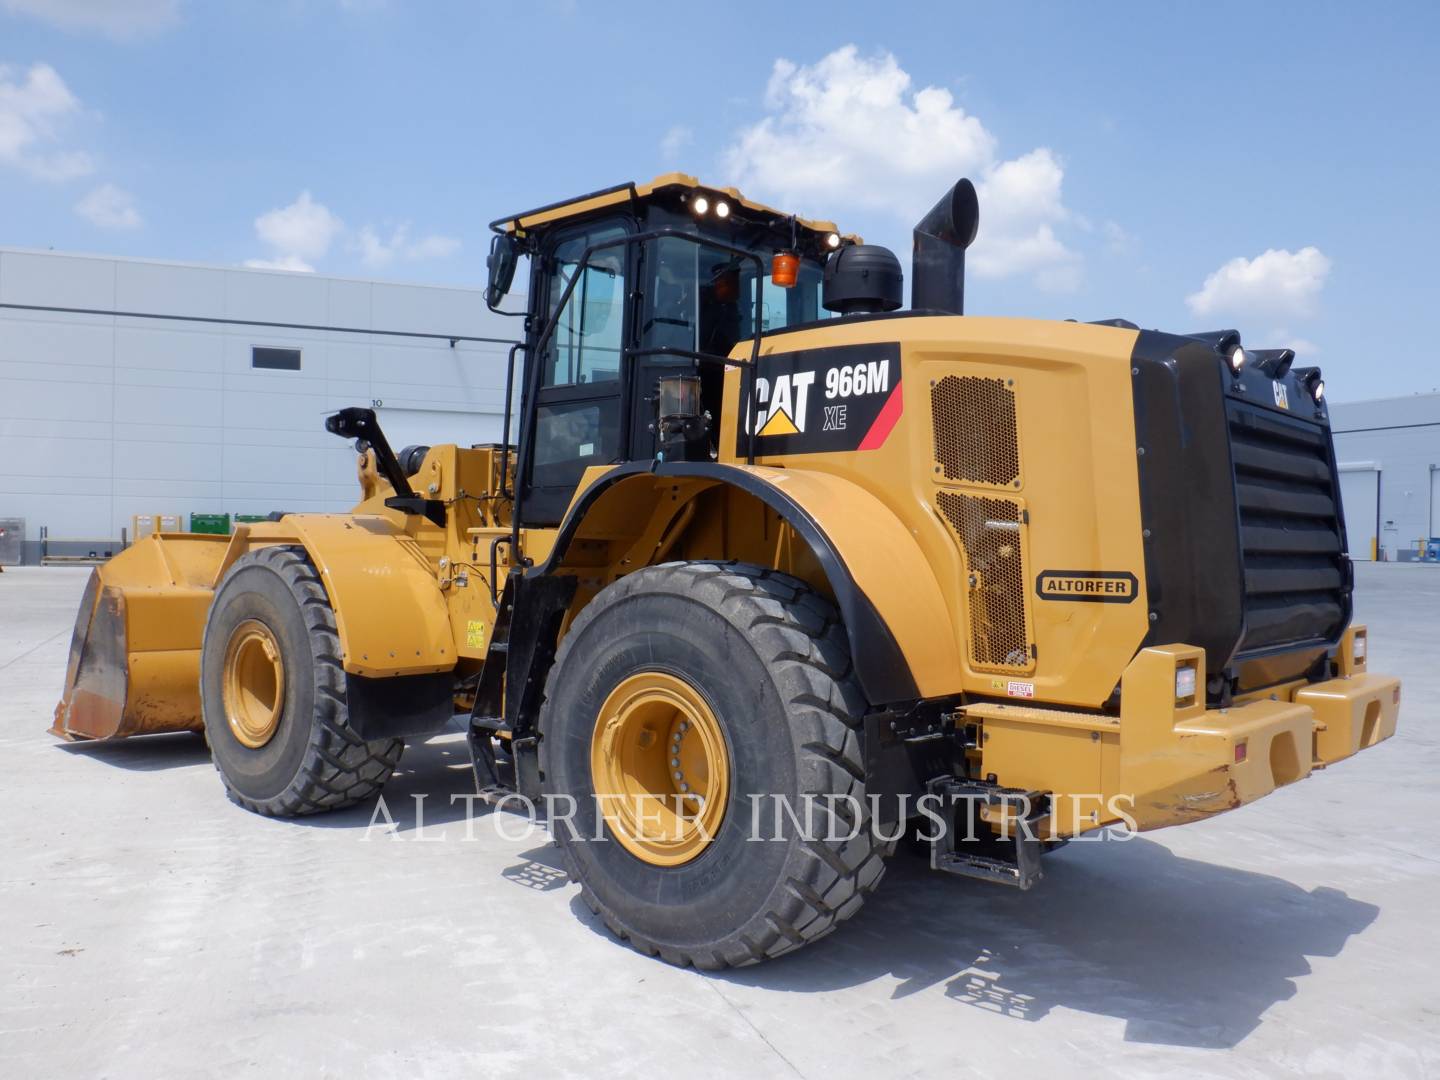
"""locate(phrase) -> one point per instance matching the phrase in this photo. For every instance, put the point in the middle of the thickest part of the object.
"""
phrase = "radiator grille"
(976, 439)
(1288, 499)
(991, 533)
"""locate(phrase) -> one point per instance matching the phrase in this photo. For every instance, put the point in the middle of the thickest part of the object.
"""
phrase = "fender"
(891, 622)
(395, 638)
(389, 610)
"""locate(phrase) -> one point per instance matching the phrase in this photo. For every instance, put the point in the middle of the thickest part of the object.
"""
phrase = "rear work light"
(1184, 682)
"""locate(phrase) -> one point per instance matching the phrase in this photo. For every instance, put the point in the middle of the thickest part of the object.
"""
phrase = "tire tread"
(799, 637)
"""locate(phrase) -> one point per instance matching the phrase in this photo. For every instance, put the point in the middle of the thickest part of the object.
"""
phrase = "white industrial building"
(135, 387)
(1388, 451)
(130, 387)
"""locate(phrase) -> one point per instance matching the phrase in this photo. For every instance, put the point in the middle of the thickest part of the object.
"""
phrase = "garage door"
(1434, 501)
(1360, 496)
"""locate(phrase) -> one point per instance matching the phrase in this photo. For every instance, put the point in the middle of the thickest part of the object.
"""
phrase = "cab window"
(781, 307)
(586, 346)
(704, 299)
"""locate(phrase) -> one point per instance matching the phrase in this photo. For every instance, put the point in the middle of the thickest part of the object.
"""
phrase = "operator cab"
(602, 331)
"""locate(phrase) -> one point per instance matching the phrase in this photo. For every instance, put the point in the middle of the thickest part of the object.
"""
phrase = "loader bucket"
(134, 666)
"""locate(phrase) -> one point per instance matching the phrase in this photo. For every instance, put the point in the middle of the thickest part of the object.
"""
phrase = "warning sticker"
(474, 634)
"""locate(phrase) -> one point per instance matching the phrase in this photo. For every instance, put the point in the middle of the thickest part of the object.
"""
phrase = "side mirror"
(501, 262)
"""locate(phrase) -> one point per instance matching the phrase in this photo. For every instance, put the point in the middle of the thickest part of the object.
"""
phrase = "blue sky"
(1265, 166)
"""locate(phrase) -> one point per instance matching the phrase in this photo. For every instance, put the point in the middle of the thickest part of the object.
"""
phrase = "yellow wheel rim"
(661, 768)
(254, 684)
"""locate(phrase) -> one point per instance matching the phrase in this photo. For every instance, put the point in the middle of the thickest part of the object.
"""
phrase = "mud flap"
(402, 706)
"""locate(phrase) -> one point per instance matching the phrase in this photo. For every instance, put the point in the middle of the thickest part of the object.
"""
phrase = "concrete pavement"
(150, 928)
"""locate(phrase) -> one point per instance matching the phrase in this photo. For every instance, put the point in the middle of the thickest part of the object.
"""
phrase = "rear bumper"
(1246, 752)
(1163, 762)
(1352, 713)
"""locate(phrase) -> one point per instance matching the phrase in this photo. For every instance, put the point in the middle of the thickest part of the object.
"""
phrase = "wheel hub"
(661, 768)
(254, 684)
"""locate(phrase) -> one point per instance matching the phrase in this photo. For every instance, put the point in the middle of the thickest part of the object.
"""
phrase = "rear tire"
(300, 756)
(770, 659)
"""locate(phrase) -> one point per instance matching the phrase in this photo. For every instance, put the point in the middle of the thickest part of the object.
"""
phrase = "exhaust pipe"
(941, 237)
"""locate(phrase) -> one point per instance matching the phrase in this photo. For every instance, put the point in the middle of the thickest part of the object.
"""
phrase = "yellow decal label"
(474, 634)
(1089, 586)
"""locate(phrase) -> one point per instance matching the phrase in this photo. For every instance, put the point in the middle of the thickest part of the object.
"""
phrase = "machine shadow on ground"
(1187, 953)
(147, 753)
(435, 768)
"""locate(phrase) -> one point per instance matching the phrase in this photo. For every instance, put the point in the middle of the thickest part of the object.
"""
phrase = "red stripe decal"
(888, 418)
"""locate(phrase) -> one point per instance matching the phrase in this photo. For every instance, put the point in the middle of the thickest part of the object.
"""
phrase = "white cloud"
(34, 106)
(1118, 241)
(109, 207)
(298, 234)
(376, 251)
(115, 18)
(284, 262)
(1276, 284)
(851, 133)
(301, 234)
(433, 247)
(674, 141)
(1281, 338)
(1020, 205)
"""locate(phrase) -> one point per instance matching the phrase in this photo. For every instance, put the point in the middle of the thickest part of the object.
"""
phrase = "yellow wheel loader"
(774, 573)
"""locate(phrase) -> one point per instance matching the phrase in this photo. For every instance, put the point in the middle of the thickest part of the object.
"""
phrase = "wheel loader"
(758, 538)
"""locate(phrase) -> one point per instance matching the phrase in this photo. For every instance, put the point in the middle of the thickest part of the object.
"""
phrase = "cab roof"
(623, 193)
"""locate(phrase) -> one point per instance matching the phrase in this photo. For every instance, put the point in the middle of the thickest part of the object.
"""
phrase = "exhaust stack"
(941, 238)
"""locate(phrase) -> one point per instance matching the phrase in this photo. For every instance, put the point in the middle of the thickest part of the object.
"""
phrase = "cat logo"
(782, 403)
(1282, 396)
(828, 400)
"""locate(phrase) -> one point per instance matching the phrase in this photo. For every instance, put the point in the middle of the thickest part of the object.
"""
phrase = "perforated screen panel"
(976, 438)
(991, 531)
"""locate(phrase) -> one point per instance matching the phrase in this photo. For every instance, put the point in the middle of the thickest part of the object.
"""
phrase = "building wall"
(1399, 439)
(103, 416)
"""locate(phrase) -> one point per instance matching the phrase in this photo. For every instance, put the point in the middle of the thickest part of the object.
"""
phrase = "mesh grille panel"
(990, 532)
(975, 432)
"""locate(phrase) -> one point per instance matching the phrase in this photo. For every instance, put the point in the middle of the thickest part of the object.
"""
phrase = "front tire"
(759, 661)
(273, 693)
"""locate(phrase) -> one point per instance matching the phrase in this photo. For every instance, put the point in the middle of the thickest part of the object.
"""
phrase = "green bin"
(218, 524)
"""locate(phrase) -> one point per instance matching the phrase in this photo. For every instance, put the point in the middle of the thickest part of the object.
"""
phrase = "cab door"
(578, 401)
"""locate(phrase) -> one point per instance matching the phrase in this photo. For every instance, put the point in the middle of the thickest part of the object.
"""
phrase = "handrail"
(505, 492)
